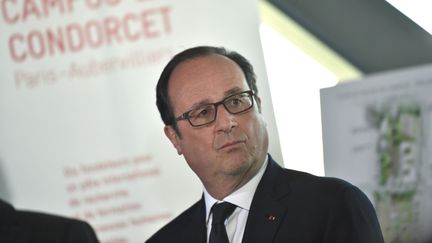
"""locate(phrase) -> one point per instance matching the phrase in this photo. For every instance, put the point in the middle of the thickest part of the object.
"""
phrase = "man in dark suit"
(208, 100)
(32, 227)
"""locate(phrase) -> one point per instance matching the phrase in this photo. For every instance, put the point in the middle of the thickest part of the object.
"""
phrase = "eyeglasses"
(206, 114)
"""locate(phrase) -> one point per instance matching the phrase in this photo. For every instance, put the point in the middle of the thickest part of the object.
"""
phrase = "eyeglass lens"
(233, 104)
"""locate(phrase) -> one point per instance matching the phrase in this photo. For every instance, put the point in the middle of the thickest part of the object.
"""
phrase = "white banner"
(80, 132)
(377, 134)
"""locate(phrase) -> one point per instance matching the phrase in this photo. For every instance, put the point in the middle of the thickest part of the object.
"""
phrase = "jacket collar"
(268, 208)
(266, 212)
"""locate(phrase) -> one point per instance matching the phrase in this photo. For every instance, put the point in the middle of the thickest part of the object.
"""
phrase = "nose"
(225, 121)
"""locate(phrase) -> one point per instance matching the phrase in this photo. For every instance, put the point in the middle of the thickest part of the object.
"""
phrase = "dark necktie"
(220, 212)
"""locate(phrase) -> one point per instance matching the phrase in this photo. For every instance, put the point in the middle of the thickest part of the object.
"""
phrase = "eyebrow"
(207, 102)
(232, 91)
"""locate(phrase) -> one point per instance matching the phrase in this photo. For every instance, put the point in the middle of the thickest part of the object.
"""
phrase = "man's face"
(232, 145)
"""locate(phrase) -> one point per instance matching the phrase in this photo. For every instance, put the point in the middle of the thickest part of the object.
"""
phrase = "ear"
(173, 137)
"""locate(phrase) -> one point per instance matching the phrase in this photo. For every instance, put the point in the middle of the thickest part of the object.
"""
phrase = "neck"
(223, 185)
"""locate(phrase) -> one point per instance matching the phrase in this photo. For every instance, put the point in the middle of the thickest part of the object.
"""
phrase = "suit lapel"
(268, 208)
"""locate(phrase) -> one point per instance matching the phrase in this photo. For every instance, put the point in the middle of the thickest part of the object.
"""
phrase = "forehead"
(204, 79)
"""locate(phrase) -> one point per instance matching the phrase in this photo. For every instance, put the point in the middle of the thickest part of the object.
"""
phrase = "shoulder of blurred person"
(18, 226)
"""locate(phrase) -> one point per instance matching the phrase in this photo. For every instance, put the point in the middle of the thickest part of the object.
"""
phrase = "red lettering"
(74, 203)
(29, 80)
(112, 29)
(95, 40)
(139, 220)
(32, 80)
(165, 17)
(34, 41)
(88, 215)
(75, 44)
(89, 184)
(74, 37)
(70, 172)
(70, 5)
(30, 9)
(147, 24)
(126, 25)
(8, 18)
(92, 4)
(12, 48)
(71, 188)
(111, 226)
(47, 4)
(55, 41)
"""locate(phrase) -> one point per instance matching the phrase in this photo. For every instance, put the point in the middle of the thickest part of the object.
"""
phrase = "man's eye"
(203, 112)
(235, 102)
(206, 111)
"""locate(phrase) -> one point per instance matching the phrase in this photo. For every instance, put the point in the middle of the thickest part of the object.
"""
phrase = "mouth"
(231, 145)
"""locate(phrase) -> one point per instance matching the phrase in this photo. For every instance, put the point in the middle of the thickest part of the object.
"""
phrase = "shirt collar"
(241, 197)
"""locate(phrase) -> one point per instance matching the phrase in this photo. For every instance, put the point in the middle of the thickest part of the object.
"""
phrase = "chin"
(238, 165)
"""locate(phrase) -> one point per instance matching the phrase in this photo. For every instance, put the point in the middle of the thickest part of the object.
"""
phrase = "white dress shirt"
(242, 198)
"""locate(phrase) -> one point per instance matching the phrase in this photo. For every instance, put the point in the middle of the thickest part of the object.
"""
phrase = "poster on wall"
(377, 134)
(80, 132)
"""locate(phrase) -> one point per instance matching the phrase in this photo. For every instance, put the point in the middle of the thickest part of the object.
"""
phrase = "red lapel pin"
(271, 218)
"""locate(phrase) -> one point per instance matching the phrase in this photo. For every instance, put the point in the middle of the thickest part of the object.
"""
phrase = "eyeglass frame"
(186, 116)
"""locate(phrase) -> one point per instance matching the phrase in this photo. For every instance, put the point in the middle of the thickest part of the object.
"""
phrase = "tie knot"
(221, 211)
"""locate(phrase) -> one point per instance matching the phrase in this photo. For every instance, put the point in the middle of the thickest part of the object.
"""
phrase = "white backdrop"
(80, 132)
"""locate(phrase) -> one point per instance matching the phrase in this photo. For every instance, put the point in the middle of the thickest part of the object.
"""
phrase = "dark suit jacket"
(31, 227)
(306, 208)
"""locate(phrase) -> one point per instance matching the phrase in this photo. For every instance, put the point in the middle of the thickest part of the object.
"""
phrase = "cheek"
(256, 132)
(197, 141)
(198, 153)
